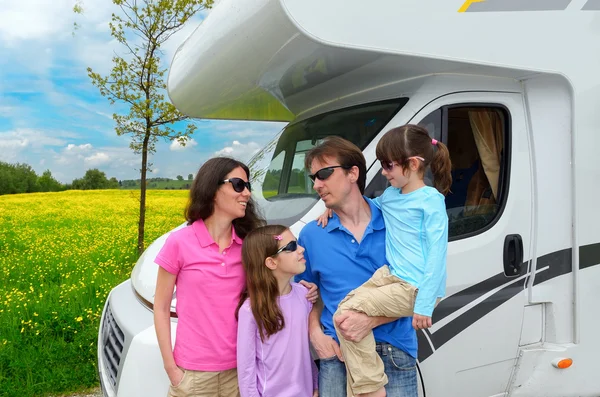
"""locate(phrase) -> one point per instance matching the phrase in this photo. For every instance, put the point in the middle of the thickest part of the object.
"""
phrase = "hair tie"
(278, 237)
(434, 142)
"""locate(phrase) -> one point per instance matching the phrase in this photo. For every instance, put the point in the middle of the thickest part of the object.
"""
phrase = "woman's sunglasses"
(326, 172)
(238, 184)
(289, 247)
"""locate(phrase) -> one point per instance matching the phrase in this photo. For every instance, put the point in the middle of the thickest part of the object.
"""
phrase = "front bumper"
(129, 360)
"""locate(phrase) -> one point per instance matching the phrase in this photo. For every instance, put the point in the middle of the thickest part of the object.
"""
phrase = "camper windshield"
(281, 185)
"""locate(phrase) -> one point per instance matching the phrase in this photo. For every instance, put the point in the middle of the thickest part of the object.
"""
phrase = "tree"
(137, 79)
(179, 178)
(48, 183)
(95, 179)
(18, 178)
(190, 177)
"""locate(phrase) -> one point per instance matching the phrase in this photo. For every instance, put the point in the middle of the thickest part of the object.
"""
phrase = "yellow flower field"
(60, 255)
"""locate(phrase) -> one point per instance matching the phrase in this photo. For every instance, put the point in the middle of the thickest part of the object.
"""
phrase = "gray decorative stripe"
(559, 263)
(592, 5)
(520, 5)
(589, 255)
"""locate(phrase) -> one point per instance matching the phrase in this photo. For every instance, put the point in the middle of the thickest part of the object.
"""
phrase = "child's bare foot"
(378, 393)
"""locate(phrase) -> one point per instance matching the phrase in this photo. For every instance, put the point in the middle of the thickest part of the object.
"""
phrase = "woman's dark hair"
(204, 189)
(261, 284)
(400, 143)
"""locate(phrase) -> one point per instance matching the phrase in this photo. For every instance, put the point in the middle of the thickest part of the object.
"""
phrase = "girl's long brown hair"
(400, 143)
(261, 285)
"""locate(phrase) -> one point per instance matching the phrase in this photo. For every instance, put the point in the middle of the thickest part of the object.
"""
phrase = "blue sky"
(52, 117)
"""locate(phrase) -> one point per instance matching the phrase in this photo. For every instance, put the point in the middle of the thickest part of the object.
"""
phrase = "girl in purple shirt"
(273, 354)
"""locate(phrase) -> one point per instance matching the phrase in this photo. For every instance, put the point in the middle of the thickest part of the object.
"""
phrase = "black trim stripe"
(423, 347)
(465, 320)
(468, 295)
(589, 255)
(559, 263)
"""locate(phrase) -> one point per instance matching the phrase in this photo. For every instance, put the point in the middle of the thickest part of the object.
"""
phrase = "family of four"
(358, 282)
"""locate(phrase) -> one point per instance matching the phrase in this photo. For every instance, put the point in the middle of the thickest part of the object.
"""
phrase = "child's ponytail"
(401, 143)
(441, 168)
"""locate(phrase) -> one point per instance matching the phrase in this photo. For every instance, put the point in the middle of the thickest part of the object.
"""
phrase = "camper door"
(472, 347)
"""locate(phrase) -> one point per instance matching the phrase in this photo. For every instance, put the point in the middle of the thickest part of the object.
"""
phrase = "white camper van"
(511, 87)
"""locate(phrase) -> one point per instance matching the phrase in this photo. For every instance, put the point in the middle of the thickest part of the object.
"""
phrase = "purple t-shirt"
(282, 366)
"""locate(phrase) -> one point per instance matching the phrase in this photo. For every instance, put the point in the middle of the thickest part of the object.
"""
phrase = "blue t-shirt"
(337, 264)
(416, 241)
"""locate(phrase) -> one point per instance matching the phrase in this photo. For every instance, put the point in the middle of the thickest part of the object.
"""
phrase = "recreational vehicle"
(511, 87)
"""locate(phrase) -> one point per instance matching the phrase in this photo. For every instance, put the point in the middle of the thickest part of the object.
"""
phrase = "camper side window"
(476, 137)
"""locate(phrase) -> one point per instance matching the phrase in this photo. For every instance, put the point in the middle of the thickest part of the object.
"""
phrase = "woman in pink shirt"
(273, 348)
(204, 261)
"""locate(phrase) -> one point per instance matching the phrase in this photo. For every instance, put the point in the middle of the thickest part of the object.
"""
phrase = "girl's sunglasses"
(389, 165)
(238, 184)
(326, 172)
(289, 247)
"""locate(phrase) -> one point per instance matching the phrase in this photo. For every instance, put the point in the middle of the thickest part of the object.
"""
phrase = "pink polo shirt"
(209, 284)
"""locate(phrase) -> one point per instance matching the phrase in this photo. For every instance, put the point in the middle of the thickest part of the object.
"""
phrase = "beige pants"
(382, 295)
(206, 384)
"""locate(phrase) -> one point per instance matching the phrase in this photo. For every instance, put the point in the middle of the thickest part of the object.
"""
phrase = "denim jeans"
(399, 367)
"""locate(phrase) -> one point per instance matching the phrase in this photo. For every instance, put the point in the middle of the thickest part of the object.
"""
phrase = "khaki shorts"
(382, 295)
(206, 384)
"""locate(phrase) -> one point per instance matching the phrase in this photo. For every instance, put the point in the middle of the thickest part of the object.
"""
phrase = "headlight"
(143, 276)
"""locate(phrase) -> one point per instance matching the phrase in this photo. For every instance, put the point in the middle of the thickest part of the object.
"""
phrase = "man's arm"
(354, 326)
(324, 345)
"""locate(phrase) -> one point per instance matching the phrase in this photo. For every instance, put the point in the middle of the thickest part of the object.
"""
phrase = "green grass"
(60, 255)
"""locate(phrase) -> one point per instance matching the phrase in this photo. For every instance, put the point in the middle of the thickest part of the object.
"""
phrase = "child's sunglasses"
(326, 172)
(238, 184)
(289, 247)
(389, 165)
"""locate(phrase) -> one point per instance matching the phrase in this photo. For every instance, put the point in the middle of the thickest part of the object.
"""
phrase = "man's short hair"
(345, 152)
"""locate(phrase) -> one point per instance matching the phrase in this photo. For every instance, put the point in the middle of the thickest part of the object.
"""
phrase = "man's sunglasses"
(289, 247)
(238, 184)
(326, 172)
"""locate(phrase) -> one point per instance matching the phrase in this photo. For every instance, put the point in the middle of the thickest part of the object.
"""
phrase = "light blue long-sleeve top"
(416, 241)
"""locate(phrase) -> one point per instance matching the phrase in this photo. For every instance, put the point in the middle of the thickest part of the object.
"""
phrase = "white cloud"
(73, 161)
(240, 151)
(86, 147)
(15, 143)
(6, 111)
(12, 143)
(33, 19)
(96, 159)
(177, 147)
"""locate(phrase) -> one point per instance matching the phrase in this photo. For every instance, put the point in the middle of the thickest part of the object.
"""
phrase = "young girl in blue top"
(416, 242)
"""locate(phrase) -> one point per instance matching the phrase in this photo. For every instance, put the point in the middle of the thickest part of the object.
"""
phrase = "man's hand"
(324, 345)
(354, 326)
(421, 322)
(315, 393)
(313, 291)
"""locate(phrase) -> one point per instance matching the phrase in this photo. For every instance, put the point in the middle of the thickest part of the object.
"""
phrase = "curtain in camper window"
(487, 128)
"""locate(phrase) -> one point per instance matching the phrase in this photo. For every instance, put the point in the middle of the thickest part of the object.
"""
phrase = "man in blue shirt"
(340, 258)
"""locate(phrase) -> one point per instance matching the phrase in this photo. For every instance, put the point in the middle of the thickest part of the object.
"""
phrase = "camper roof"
(277, 59)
